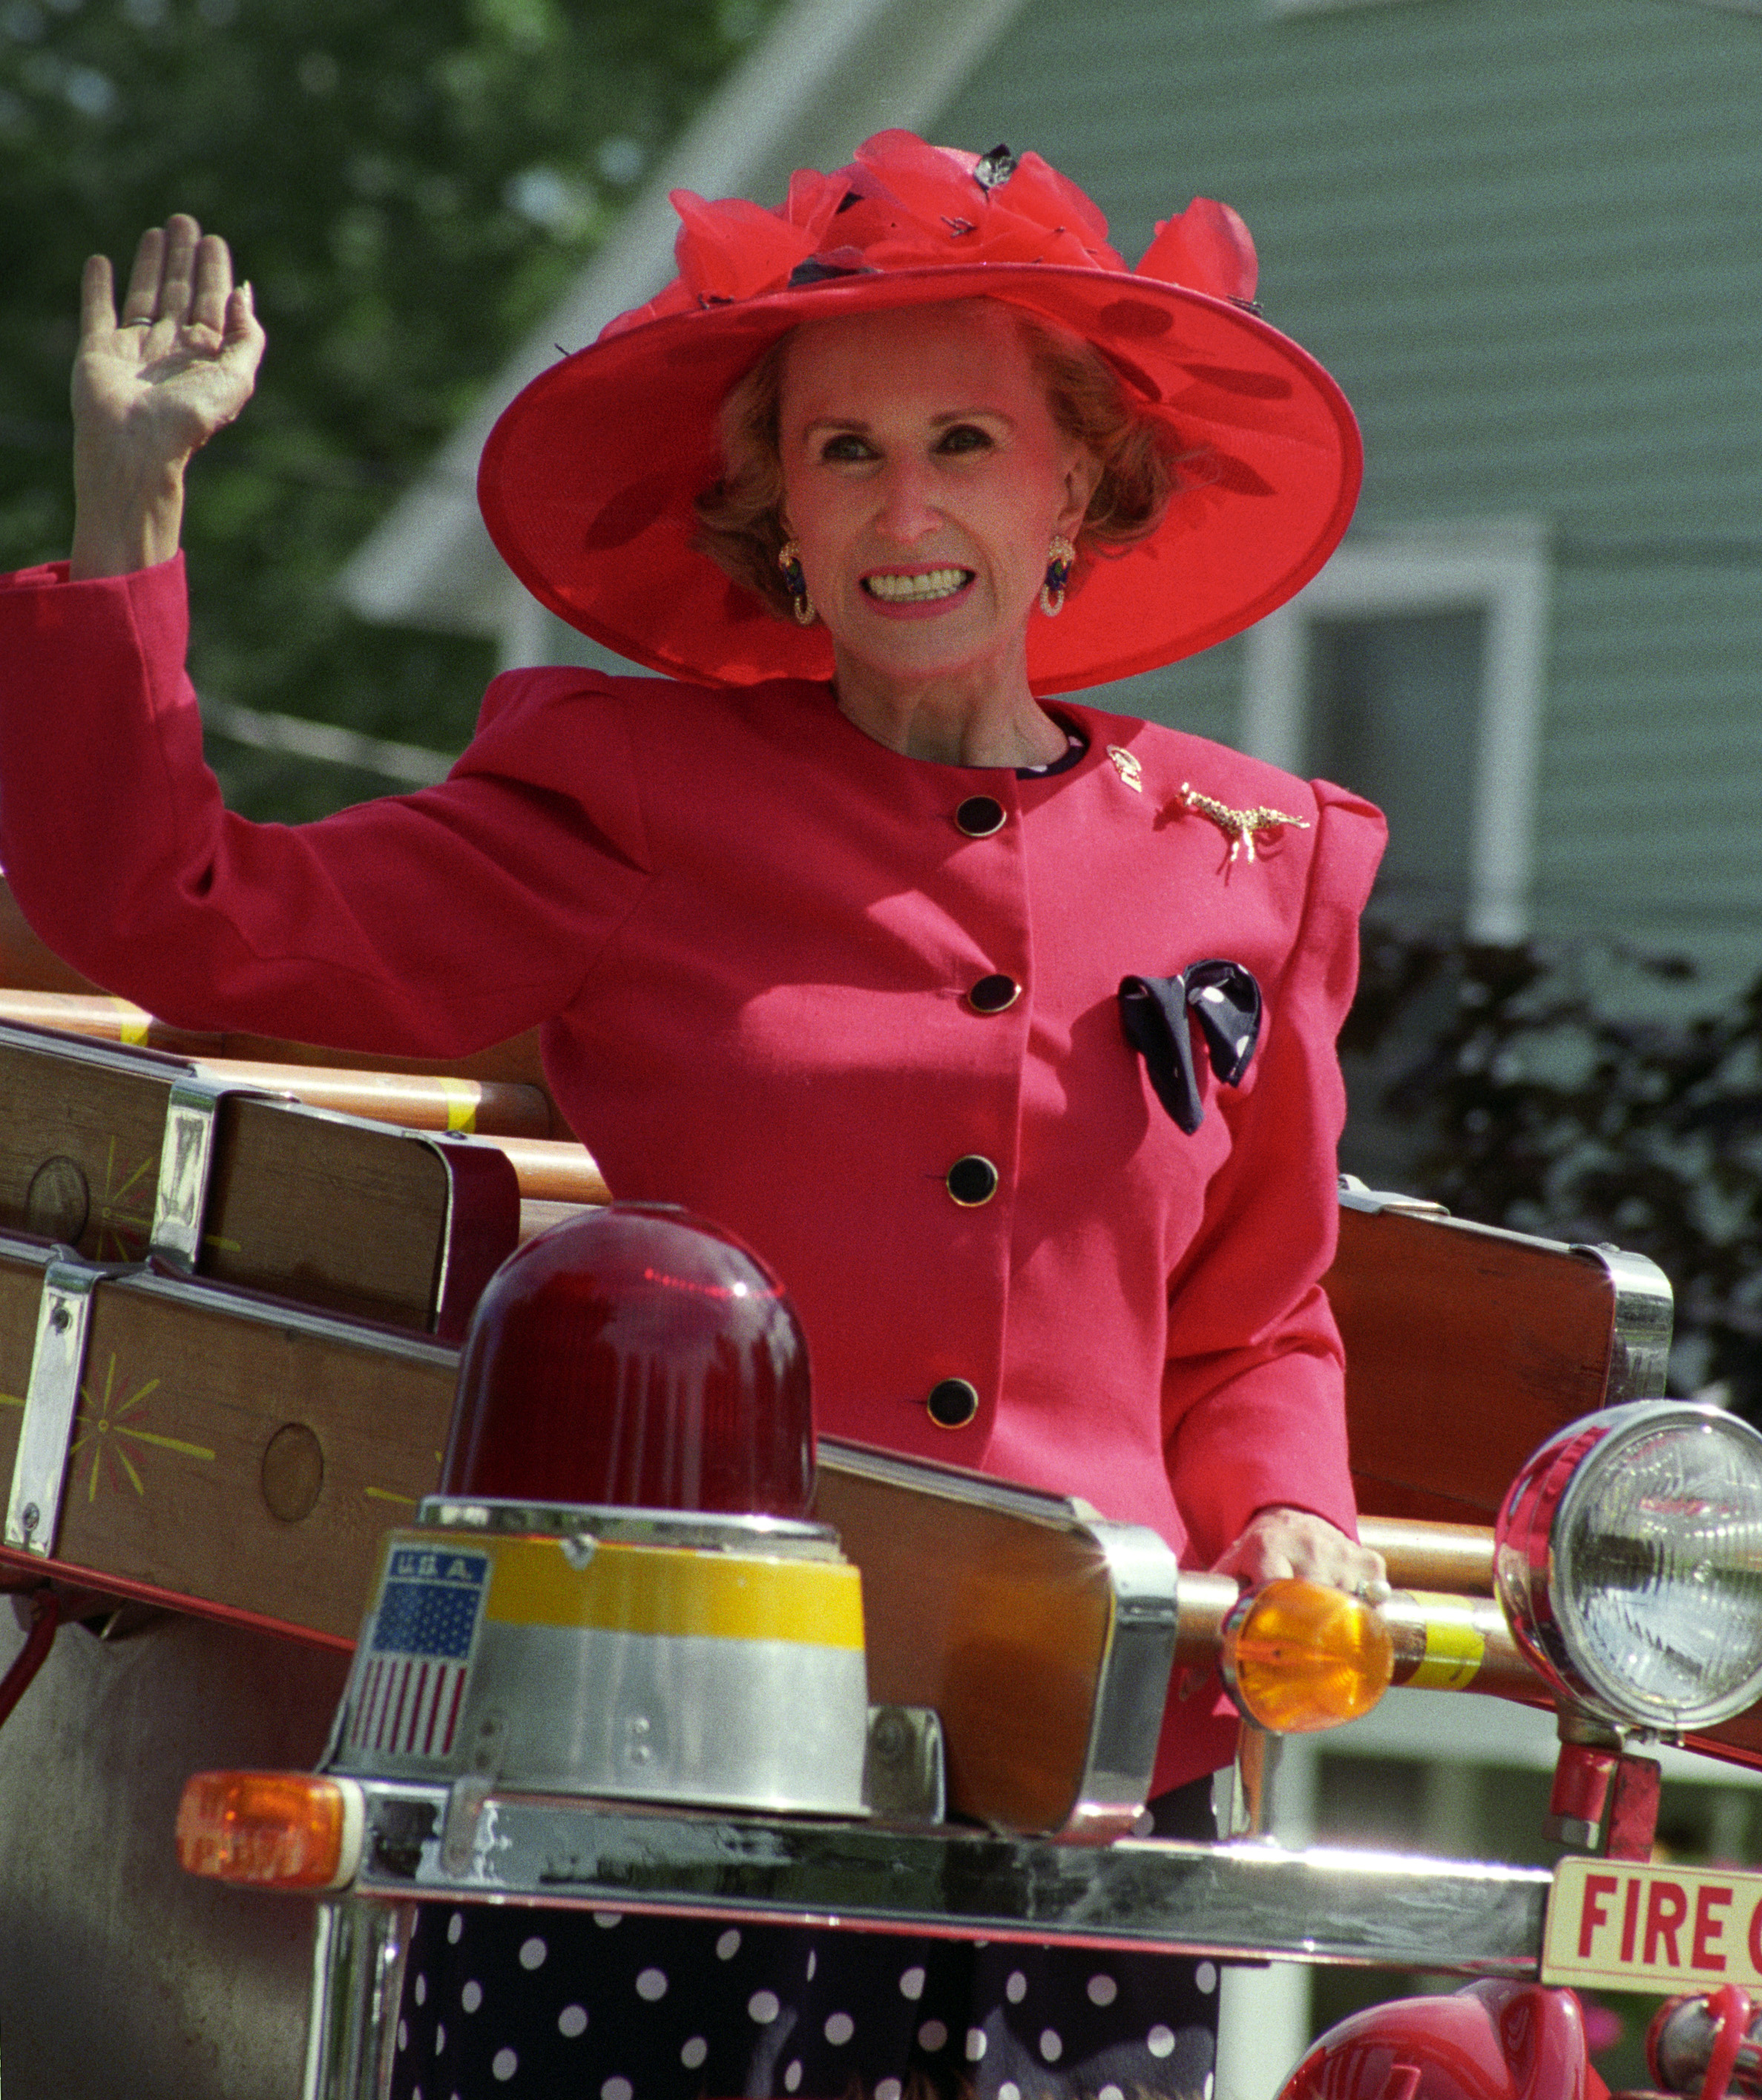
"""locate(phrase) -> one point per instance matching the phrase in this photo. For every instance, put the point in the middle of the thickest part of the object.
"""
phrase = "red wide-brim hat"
(587, 481)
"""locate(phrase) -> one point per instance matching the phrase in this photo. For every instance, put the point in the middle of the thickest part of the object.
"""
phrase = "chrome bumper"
(1243, 1902)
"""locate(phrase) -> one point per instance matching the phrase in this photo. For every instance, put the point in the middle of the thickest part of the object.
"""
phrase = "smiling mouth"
(924, 589)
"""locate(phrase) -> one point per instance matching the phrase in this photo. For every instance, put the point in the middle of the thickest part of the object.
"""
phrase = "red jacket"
(750, 931)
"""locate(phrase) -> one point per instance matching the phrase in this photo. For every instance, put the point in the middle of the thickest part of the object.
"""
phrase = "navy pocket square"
(1156, 1014)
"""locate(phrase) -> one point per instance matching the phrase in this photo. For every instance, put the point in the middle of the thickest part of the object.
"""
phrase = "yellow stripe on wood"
(462, 1098)
(133, 1022)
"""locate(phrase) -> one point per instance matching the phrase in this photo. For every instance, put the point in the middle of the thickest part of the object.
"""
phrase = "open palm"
(156, 383)
(149, 387)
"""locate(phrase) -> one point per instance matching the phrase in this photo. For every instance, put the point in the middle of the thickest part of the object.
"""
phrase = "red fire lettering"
(1630, 1916)
(1596, 1886)
(1708, 1928)
(1756, 1938)
(1666, 1909)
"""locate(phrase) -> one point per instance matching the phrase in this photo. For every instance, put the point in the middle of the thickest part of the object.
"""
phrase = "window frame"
(1501, 568)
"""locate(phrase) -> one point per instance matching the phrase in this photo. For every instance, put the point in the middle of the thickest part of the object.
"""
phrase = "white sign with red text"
(1621, 1925)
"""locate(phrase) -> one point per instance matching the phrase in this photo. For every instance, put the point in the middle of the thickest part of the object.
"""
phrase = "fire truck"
(306, 1642)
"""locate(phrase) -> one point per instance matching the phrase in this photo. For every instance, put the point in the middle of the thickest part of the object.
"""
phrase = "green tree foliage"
(1546, 1091)
(408, 184)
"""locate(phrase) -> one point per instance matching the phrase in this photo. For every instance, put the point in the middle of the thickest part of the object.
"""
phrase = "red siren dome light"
(635, 1356)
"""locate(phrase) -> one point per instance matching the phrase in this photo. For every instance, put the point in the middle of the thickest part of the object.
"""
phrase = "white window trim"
(1501, 568)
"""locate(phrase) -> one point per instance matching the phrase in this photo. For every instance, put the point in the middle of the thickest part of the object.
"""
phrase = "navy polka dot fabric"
(606, 2006)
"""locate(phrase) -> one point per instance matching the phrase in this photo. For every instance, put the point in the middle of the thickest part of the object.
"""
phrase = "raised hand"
(152, 387)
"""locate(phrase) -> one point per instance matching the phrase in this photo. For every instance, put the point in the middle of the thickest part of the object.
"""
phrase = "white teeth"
(914, 590)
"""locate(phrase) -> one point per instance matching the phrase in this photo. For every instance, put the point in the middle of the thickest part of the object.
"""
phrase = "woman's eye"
(964, 437)
(846, 445)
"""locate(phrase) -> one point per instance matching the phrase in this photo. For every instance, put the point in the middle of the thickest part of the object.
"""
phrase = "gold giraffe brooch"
(1239, 826)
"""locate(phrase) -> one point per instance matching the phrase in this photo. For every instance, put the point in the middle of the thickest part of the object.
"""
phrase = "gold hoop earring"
(1060, 560)
(789, 561)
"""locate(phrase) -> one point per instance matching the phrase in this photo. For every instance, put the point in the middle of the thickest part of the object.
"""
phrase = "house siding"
(1526, 236)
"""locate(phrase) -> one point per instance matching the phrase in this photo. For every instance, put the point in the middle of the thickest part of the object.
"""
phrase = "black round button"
(953, 1403)
(979, 815)
(992, 995)
(972, 1181)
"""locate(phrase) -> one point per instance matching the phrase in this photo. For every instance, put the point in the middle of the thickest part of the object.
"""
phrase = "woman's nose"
(907, 512)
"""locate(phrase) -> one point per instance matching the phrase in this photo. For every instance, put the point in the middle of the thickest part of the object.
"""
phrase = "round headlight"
(1629, 1563)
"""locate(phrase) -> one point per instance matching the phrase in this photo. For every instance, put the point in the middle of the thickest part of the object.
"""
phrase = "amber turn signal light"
(270, 1830)
(1298, 1656)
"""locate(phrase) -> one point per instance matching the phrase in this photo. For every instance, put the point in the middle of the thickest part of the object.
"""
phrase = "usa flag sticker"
(410, 1691)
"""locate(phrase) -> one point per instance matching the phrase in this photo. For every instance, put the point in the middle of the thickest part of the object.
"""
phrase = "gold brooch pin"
(1128, 767)
(1238, 826)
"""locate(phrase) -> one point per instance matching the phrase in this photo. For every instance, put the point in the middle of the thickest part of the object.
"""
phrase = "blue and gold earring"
(789, 561)
(1059, 562)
